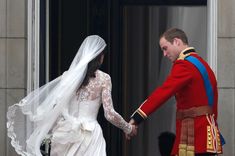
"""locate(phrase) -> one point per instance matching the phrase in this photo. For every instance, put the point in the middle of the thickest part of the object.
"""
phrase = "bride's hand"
(134, 130)
(132, 133)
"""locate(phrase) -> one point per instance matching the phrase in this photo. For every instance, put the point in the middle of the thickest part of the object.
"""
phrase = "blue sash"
(207, 84)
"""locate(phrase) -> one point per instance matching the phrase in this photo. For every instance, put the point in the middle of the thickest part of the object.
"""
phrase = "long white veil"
(43, 106)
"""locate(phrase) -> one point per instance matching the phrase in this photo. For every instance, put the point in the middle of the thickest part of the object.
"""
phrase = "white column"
(212, 34)
(33, 49)
(33, 45)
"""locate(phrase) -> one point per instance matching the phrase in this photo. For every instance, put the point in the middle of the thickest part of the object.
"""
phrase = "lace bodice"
(98, 91)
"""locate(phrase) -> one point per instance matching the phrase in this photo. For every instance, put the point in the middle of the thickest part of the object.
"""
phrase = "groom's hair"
(165, 143)
(172, 33)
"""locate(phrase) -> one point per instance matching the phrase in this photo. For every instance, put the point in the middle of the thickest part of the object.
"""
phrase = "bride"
(67, 108)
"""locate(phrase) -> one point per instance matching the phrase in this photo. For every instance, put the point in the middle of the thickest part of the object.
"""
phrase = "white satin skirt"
(84, 138)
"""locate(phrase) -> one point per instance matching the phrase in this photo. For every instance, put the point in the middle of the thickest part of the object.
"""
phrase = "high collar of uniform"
(185, 53)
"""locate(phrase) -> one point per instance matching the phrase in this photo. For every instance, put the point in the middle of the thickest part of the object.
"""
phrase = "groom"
(194, 86)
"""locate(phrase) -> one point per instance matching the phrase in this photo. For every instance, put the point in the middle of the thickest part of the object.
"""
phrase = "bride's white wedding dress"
(77, 132)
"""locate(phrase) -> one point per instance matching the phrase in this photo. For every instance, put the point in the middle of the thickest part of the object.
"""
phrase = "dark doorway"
(70, 23)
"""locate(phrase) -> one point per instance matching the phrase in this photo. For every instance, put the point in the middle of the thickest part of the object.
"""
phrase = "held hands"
(133, 131)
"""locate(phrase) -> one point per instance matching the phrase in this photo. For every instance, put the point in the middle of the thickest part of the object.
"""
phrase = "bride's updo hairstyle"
(92, 67)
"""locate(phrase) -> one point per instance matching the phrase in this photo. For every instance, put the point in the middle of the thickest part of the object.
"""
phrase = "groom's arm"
(138, 116)
(180, 76)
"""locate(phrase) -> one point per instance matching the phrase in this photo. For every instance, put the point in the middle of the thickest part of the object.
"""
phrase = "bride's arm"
(110, 114)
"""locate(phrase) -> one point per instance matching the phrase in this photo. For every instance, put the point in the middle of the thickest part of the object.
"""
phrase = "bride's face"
(102, 59)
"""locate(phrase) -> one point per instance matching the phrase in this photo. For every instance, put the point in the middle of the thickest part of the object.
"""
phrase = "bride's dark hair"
(92, 67)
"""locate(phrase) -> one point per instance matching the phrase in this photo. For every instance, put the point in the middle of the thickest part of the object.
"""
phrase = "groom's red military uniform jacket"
(186, 83)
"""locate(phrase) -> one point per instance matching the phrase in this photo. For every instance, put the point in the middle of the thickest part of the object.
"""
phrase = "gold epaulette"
(185, 53)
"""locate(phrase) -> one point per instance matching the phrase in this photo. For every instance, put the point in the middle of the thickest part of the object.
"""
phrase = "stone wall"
(12, 62)
(226, 73)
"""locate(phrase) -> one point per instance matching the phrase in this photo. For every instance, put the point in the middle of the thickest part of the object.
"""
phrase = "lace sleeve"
(110, 114)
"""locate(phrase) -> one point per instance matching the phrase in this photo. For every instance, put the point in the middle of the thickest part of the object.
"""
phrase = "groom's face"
(170, 50)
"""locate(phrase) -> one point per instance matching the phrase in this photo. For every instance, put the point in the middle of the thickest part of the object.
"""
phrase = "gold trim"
(190, 148)
(182, 55)
(133, 113)
(190, 153)
(210, 143)
(212, 151)
(187, 49)
(185, 150)
(182, 149)
(142, 113)
(182, 152)
(182, 146)
(219, 146)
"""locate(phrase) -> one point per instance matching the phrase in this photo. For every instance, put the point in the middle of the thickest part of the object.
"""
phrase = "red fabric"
(186, 83)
